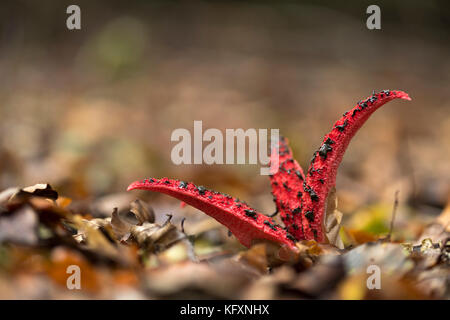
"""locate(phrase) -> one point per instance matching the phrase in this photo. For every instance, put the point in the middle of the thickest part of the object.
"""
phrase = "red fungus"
(321, 175)
(243, 221)
(287, 184)
(300, 200)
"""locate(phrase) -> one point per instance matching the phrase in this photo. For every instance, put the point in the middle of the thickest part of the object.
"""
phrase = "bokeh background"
(89, 111)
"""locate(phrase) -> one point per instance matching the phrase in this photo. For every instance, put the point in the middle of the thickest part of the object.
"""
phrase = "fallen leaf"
(61, 258)
(390, 257)
(392, 288)
(43, 190)
(359, 236)
(256, 256)
(142, 211)
(19, 226)
(333, 220)
(320, 278)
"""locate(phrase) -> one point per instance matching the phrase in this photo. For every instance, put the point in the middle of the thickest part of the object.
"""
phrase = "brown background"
(90, 111)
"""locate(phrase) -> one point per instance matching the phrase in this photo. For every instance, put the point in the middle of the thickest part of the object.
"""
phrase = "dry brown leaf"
(61, 258)
(19, 226)
(268, 287)
(359, 236)
(256, 256)
(150, 236)
(321, 277)
(94, 240)
(390, 257)
(63, 202)
(435, 282)
(142, 211)
(6, 194)
(155, 237)
(392, 288)
(444, 218)
(333, 220)
(187, 280)
(102, 207)
(43, 190)
(120, 227)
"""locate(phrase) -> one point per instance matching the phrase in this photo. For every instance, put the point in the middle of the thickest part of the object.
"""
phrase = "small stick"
(169, 218)
(189, 243)
(394, 211)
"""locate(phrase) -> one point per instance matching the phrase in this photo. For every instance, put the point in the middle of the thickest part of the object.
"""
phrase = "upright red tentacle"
(286, 185)
(321, 175)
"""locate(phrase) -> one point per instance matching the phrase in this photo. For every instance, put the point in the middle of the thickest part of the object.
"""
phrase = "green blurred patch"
(117, 49)
(373, 219)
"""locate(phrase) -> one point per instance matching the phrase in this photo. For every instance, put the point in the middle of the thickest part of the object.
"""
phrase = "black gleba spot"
(309, 215)
(271, 226)
(324, 149)
(201, 190)
(341, 127)
(297, 210)
(182, 184)
(250, 213)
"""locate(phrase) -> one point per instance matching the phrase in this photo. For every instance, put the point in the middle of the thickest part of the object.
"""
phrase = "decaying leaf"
(187, 280)
(427, 253)
(104, 224)
(435, 232)
(43, 190)
(61, 258)
(357, 237)
(272, 286)
(439, 230)
(390, 257)
(320, 278)
(256, 256)
(392, 288)
(156, 237)
(103, 206)
(151, 236)
(120, 227)
(444, 217)
(94, 240)
(435, 282)
(332, 220)
(20, 226)
(5, 195)
(142, 211)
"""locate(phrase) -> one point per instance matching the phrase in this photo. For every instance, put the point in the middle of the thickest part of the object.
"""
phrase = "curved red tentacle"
(321, 175)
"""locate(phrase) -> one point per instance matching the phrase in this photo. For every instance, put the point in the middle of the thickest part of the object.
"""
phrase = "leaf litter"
(129, 255)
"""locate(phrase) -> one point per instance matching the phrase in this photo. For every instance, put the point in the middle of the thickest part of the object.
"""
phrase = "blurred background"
(91, 110)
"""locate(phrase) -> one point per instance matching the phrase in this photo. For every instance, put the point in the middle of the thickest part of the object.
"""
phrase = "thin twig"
(169, 218)
(394, 211)
(189, 243)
